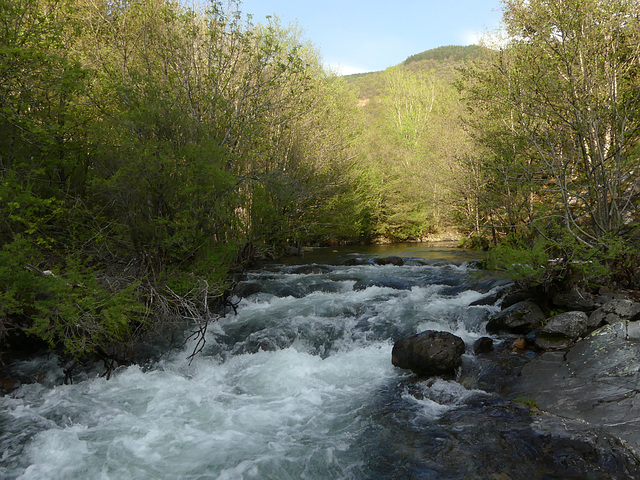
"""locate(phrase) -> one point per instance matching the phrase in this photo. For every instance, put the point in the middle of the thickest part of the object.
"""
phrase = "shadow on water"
(432, 252)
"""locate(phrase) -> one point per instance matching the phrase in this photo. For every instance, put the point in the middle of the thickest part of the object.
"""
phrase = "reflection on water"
(444, 251)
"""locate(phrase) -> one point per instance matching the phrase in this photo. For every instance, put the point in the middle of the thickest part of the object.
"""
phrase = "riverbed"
(298, 384)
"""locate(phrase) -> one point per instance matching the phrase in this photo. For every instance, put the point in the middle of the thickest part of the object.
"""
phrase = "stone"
(312, 269)
(572, 325)
(596, 381)
(614, 311)
(429, 353)
(513, 298)
(490, 299)
(574, 300)
(603, 298)
(552, 342)
(355, 261)
(393, 260)
(382, 283)
(483, 345)
(518, 318)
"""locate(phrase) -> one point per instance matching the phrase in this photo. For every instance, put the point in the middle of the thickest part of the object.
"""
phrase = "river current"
(297, 385)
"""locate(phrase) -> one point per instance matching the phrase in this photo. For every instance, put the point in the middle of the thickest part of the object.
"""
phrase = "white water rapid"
(298, 385)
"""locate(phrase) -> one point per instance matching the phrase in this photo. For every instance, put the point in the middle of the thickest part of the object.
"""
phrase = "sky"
(356, 36)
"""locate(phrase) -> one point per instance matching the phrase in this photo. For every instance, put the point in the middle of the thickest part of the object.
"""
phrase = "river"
(299, 385)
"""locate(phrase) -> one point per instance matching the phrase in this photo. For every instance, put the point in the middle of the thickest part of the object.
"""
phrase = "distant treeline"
(450, 53)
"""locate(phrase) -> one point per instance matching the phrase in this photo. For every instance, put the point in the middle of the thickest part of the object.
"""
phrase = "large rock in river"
(393, 260)
(518, 318)
(574, 300)
(429, 353)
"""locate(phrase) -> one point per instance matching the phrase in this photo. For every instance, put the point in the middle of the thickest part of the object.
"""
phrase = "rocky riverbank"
(575, 356)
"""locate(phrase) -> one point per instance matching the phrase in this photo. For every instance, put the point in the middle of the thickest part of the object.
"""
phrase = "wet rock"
(483, 345)
(572, 325)
(397, 261)
(613, 312)
(486, 300)
(382, 282)
(574, 300)
(290, 251)
(518, 318)
(596, 381)
(350, 262)
(311, 269)
(603, 298)
(429, 353)
(514, 436)
(512, 298)
(552, 342)
(246, 289)
(561, 331)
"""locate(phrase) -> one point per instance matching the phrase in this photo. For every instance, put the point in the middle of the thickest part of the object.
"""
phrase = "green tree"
(566, 90)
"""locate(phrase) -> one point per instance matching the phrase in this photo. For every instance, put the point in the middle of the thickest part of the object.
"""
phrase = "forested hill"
(442, 61)
(450, 53)
(414, 142)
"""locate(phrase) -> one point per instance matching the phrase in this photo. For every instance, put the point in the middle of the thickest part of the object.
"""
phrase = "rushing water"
(298, 385)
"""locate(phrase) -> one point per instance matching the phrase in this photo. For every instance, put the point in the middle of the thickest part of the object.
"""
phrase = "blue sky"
(368, 35)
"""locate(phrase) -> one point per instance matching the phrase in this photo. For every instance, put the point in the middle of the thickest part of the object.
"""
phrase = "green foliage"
(554, 257)
(448, 53)
(142, 144)
(555, 114)
(69, 307)
(74, 310)
(413, 144)
(523, 262)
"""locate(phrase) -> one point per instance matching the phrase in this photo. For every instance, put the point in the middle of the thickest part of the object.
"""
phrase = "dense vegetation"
(555, 113)
(149, 149)
(146, 149)
(415, 144)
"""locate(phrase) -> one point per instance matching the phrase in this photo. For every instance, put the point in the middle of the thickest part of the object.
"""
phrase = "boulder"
(603, 298)
(561, 331)
(383, 283)
(596, 381)
(355, 261)
(397, 261)
(489, 299)
(515, 297)
(552, 342)
(614, 311)
(313, 269)
(429, 353)
(483, 345)
(574, 300)
(518, 318)
(572, 325)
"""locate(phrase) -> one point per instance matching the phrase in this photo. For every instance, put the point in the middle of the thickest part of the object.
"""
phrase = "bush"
(558, 258)
(68, 307)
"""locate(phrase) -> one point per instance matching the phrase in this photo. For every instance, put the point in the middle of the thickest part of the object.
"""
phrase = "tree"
(565, 89)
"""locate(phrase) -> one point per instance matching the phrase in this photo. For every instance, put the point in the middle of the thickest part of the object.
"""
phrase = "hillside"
(412, 144)
(441, 61)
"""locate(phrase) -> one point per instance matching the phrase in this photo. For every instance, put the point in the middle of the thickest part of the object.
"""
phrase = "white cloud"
(472, 37)
(342, 69)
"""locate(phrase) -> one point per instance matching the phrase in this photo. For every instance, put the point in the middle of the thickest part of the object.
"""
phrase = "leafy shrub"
(68, 307)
